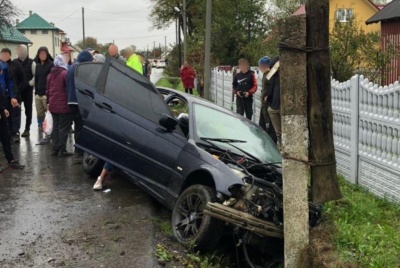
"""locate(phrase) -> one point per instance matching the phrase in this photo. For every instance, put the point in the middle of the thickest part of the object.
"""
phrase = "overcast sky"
(125, 21)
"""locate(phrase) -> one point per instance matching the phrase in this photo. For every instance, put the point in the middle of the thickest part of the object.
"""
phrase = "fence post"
(355, 110)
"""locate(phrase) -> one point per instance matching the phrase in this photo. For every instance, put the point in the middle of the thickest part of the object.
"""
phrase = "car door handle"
(104, 106)
(86, 92)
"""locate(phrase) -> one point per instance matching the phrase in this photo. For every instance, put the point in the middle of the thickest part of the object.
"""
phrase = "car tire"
(92, 165)
(189, 225)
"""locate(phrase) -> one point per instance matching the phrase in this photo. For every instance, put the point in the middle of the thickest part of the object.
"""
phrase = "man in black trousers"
(29, 67)
(6, 86)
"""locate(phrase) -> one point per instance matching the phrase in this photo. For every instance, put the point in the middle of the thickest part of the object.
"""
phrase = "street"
(50, 216)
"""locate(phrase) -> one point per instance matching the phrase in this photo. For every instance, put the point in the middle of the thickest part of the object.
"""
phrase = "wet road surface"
(51, 217)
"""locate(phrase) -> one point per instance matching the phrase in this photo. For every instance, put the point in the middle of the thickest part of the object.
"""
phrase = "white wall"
(52, 38)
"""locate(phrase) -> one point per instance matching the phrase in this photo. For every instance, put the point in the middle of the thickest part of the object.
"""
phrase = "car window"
(178, 106)
(134, 94)
(89, 73)
(214, 124)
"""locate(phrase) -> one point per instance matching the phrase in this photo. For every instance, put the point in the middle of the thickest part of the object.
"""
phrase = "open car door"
(123, 128)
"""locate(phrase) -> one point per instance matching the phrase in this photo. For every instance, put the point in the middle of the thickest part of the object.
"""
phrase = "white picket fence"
(366, 129)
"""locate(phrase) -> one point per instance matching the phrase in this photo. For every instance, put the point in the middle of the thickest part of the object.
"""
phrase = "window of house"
(45, 31)
(33, 32)
(22, 31)
(344, 14)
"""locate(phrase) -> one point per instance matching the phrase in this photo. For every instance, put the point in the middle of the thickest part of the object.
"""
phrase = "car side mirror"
(168, 122)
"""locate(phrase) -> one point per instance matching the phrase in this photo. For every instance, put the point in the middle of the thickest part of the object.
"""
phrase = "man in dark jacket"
(244, 86)
(6, 87)
(274, 98)
(44, 64)
(18, 75)
(265, 121)
(84, 56)
(29, 67)
(113, 53)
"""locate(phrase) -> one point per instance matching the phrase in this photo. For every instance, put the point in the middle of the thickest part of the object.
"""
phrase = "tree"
(240, 24)
(92, 43)
(355, 51)
(7, 13)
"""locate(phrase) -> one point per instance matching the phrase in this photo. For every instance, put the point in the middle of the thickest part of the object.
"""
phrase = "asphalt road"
(51, 217)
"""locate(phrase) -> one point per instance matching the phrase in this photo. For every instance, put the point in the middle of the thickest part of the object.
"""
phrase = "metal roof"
(12, 35)
(35, 22)
(390, 12)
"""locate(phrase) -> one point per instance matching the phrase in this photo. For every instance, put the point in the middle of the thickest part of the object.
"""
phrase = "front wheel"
(92, 165)
(190, 225)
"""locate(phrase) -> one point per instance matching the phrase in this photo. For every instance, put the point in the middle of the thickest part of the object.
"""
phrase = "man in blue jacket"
(84, 56)
(7, 88)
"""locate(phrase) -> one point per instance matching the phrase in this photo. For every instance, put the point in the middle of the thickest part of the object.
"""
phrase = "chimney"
(17, 22)
(30, 12)
(52, 24)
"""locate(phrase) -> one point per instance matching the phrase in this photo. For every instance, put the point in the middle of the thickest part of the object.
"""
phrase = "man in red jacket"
(244, 86)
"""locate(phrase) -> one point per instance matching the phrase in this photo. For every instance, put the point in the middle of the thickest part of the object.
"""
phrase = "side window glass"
(136, 95)
(89, 73)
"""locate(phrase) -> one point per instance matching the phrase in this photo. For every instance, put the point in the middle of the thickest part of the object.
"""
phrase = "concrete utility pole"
(295, 140)
(83, 28)
(324, 182)
(207, 52)
(184, 30)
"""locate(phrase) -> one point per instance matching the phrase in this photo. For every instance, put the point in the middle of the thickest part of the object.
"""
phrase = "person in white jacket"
(27, 93)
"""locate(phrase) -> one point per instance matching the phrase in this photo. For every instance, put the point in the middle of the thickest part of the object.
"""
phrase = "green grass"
(174, 83)
(367, 228)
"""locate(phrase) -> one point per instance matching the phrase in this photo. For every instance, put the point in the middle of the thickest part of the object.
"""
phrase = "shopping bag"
(48, 124)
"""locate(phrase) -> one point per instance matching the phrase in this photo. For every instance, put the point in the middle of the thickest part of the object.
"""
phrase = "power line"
(67, 16)
(125, 38)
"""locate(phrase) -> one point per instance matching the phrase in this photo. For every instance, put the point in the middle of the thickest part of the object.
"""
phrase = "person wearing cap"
(44, 64)
(29, 67)
(274, 99)
(244, 86)
(265, 122)
(18, 75)
(113, 53)
(133, 60)
(6, 87)
(84, 56)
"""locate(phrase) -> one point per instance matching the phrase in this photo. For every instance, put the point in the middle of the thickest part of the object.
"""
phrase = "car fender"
(222, 176)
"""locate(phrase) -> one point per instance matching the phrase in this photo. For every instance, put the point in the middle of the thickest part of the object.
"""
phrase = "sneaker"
(98, 185)
(26, 134)
(65, 153)
(15, 165)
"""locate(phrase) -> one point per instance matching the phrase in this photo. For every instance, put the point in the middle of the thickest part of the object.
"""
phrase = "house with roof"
(11, 38)
(389, 18)
(344, 11)
(41, 33)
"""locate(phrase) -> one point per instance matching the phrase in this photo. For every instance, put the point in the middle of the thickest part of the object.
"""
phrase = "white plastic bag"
(48, 124)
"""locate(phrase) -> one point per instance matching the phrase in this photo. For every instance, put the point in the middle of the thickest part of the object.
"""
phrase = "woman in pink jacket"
(57, 98)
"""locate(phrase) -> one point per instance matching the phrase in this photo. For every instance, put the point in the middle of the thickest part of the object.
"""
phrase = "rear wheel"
(190, 225)
(92, 165)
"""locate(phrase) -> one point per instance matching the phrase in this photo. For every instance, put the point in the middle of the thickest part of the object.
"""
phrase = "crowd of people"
(50, 83)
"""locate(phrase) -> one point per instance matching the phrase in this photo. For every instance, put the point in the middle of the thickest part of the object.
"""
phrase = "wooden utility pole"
(184, 18)
(207, 52)
(324, 182)
(83, 28)
(295, 138)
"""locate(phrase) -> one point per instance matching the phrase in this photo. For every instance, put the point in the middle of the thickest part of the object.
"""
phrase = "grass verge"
(361, 231)
(174, 83)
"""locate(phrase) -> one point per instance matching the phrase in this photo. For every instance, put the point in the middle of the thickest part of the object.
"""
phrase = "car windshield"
(233, 133)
